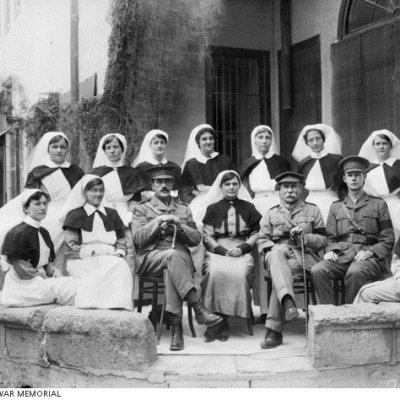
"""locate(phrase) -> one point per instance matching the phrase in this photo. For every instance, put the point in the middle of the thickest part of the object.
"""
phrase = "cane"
(303, 266)
(174, 237)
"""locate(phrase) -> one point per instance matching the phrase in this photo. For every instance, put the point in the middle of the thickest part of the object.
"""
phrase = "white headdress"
(367, 149)
(12, 213)
(332, 144)
(192, 148)
(40, 154)
(101, 159)
(76, 198)
(273, 148)
(145, 153)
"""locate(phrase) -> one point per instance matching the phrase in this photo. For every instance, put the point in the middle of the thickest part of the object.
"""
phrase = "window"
(238, 97)
(357, 14)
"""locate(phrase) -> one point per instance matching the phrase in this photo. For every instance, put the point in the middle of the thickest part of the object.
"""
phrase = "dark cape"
(131, 181)
(72, 174)
(78, 219)
(276, 165)
(144, 166)
(329, 168)
(22, 243)
(217, 212)
(392, 174)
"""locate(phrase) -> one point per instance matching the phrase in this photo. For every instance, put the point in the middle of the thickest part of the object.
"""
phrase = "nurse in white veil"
(318, 151)
(382, 150)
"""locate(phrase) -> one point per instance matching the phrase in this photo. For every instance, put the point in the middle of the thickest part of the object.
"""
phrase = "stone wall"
(351, 335)
(52, 346)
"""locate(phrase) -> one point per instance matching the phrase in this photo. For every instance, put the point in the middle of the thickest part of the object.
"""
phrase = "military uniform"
(368, 228)
(275, 227)
(154, 252)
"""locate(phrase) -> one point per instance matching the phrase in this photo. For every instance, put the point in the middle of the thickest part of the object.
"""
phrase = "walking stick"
(303, 266)
(174, 237)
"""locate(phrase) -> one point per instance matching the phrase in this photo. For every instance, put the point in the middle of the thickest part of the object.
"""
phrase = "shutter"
(347, 99)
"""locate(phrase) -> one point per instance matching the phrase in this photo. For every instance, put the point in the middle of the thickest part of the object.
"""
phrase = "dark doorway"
(305, 76)
(237, 97)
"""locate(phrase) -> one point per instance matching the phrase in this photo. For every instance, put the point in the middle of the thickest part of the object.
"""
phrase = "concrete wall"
(318, 17)
(36, 49)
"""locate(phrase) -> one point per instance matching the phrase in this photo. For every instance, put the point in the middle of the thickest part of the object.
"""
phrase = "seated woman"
(318, 151)
(28, 255)
(152, 152)
(231, 226)
(95, 240)
(382, 150)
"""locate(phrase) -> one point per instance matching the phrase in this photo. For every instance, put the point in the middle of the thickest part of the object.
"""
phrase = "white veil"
(76, 197)
(192, 148)
(40, 154)
(101, 158)
(12, 213)
(332, 144)
(273, 148)
(367, 149)
(145, 153)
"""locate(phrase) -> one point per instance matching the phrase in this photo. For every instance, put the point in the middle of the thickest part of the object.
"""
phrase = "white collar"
(52, 164)
(114, 165)
(389, 161)
(90, 209)
(153, 161)
(32, 222)
(319, 155)
(259, 156)
(204, 159)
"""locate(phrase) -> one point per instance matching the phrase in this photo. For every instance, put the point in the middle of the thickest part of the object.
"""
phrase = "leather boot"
(289, 306)
(205, 317)
(272, 339)
(223, 336)
(177, 336)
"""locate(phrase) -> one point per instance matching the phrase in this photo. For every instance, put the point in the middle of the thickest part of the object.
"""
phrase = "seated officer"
(360, 237)
(280, 234)
(153, 233)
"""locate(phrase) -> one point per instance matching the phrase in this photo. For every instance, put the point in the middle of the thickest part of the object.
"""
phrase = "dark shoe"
(177, 337)
(205, 317)
(223, 336)
(272, 339)
(166, 319)
(261, 319)
(290, 308)
(212, 332)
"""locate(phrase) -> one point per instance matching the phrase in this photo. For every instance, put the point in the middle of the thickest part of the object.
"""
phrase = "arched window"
(357, 14)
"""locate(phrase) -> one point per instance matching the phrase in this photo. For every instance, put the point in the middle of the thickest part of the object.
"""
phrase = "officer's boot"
(177, 335)
(289, 307)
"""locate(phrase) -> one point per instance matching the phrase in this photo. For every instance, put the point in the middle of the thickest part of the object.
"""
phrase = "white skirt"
(37, 291)
(104, 282)
(393, 203)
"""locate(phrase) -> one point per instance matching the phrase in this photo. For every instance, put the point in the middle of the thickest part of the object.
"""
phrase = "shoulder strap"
(351, 219)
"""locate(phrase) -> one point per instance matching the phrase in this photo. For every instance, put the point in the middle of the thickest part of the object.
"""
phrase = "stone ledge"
(78, 339)
(352, 335)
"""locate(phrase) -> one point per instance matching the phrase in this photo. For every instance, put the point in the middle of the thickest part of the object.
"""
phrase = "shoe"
(223, 336)
(205, 317)
(290, 308)
(177, 337)
(261, 319)
(272, 339)
(212, 332)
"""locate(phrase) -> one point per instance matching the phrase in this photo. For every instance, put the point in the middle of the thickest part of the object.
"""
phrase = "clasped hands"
(165, 220)
(362, 255)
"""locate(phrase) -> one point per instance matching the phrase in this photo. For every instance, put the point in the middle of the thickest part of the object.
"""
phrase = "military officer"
(153, 227)
(279, 243)
(360, 237)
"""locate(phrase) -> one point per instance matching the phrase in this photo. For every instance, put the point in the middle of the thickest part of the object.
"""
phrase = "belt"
(358, 238)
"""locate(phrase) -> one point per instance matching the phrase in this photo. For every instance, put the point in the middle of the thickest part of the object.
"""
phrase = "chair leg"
(336, 291)
(190, 317)
(140, 297)
(159, 328)
(155, 304)
(343, 292)
(250, 326)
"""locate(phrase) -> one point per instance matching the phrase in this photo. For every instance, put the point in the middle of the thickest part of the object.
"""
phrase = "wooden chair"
(155, 286)
(339, 289)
